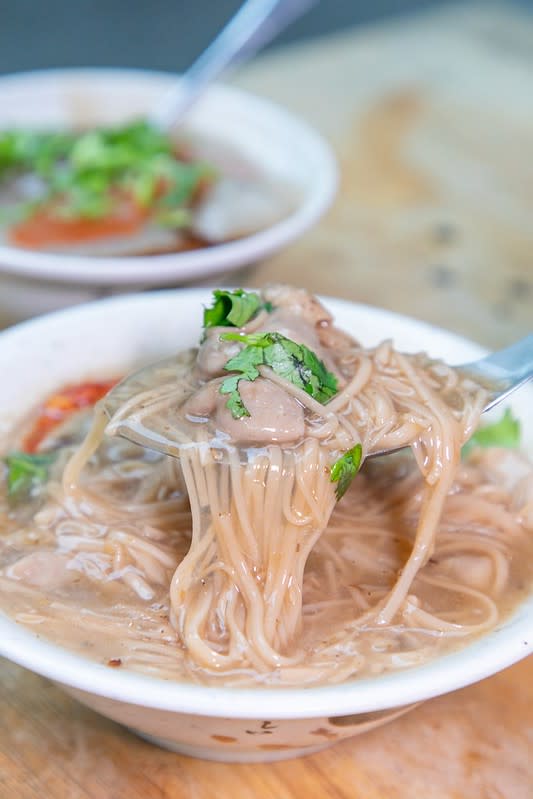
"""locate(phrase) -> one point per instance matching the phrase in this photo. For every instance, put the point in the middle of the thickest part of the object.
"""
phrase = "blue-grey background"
(156, 34)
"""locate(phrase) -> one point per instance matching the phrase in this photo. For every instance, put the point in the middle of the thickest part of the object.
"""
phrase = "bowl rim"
(509, 642)
(160, 270)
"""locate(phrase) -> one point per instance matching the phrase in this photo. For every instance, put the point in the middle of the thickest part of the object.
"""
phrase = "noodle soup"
(130, 190)
(236, 561)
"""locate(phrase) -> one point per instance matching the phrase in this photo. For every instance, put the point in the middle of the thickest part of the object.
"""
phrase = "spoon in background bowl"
(501, 373)
(255, 24)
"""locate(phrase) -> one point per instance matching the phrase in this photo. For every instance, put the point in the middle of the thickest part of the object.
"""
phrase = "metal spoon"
(501, 373)
(255, 24)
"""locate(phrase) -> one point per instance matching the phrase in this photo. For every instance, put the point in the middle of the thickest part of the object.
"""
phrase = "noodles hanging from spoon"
(235, 531)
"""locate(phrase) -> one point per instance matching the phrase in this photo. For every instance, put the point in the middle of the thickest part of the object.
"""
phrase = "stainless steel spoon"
(255, 24)
(501, 373)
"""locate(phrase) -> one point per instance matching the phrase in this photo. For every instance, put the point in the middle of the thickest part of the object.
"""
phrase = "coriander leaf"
(284, 361)
(293, 362)
(35, 150)
(503, 433)
(88, 175)
(183, 181)
(24, 471)
(260, 340)
(296, 363)
(345, 468)
(246, 362)
(231, 308)
(327, 380)
(143, 185)
(174, 218)
(234, 403)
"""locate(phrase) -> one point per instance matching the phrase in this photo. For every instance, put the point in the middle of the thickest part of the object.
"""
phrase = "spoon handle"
(252, 27)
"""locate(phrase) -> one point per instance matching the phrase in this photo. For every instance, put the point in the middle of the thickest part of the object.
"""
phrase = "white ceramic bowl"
(281, 147)
(114, 335)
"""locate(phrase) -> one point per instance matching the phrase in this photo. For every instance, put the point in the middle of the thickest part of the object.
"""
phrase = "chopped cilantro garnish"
(503, 433)
(87, 175)
(235, 404)
(232, 308)
(345, 468)
(174, 218)
(296, 363)
(24, 471)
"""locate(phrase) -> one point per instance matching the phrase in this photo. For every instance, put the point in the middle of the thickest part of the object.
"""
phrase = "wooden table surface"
(432, 121)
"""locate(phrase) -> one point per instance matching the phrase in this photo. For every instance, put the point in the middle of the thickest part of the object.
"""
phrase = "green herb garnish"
(345, 468)
(25, 471)
(87, 175)
(174, 218)
(35, 151)
(232, 308)
(294, 362)
(503, 433)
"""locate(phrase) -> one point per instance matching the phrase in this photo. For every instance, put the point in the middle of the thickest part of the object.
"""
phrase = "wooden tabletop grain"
(433, 123)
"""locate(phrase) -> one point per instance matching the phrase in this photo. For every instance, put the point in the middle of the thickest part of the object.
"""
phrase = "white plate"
(281, 146)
